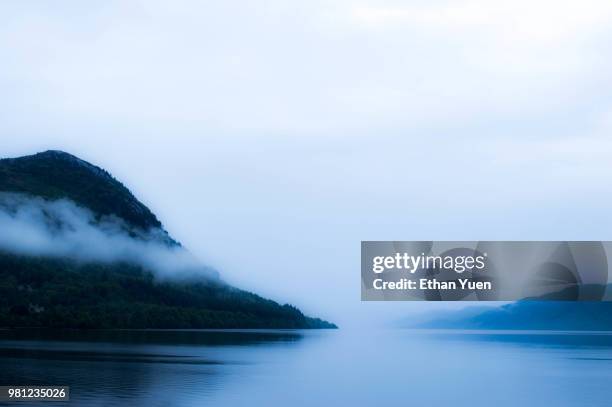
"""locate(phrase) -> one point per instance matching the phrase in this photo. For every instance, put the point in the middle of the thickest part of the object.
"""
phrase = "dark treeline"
(44, 292)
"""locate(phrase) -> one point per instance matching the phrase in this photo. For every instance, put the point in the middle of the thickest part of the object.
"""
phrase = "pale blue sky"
(271, 137)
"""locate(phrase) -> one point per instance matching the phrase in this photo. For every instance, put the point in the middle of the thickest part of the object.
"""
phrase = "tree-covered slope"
(60, 291)
(56, 175)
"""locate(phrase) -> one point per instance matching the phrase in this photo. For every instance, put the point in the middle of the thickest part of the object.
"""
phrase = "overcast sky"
(271, 137)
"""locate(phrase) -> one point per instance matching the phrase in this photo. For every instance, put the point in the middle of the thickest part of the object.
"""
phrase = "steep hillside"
(56, 174)
(76, 286)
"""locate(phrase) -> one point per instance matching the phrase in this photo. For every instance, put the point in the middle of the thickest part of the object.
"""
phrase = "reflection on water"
(147, 367)
(281, 367)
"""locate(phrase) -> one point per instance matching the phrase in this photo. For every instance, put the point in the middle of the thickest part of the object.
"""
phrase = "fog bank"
(60, 228)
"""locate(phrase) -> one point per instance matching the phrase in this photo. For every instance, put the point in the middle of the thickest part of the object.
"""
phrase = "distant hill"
(526, 315)
(65, 292)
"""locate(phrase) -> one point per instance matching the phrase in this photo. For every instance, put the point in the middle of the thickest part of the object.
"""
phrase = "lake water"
(313, 368)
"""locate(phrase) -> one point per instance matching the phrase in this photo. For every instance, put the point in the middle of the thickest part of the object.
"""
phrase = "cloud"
(60, 228)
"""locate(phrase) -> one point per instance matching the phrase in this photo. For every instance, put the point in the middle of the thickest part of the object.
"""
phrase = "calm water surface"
(313, 368)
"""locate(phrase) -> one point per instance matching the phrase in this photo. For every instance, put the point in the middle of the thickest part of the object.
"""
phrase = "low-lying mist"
(60, 228)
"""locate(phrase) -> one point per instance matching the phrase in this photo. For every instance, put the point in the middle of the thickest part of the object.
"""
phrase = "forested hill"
(52, 204)
(56, 174)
